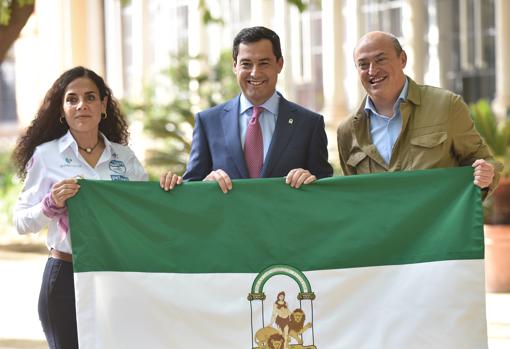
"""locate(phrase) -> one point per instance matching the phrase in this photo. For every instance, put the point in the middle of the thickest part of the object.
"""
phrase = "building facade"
(460, 45)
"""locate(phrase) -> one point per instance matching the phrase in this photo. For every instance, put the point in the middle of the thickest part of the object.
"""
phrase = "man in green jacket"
(401, 125)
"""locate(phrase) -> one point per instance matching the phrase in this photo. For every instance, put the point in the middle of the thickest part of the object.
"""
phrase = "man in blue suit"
(259, 133)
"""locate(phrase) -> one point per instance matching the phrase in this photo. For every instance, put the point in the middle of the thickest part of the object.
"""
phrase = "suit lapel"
(230, 124)
(286, 123)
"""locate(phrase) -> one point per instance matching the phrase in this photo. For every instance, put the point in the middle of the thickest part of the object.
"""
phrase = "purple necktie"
(253, 144)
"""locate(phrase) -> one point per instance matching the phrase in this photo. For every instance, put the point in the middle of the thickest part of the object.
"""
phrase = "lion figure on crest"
(297, 325)
(271, 338)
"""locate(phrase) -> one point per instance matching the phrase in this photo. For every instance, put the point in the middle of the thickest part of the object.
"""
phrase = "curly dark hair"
(46, 125)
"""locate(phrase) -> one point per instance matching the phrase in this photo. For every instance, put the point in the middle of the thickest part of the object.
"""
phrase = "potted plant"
(497, 206)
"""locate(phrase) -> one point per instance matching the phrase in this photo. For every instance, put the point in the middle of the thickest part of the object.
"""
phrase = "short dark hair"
(254, 34)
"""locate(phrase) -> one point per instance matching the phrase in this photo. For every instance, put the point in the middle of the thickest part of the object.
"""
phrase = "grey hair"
(396, 44)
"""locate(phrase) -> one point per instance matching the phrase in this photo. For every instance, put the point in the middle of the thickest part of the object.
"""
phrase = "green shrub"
(168, 105)
(10, 188)
(495, 133)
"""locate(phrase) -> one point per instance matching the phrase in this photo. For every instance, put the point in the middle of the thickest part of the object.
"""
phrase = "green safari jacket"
(437, 131)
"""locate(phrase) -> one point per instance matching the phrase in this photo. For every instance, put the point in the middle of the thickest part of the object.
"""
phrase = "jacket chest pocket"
(360, 161)
(427, 151)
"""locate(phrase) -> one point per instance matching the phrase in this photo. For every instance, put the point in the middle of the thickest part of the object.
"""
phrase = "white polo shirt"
(60, 159)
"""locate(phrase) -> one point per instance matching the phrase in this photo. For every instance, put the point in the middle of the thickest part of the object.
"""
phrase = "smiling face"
(257, 70)
(380, 67)
(83, 106)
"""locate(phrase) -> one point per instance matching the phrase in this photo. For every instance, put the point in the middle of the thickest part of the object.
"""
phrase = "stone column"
(443, 14)
(501, 103)
(113, 46)
(139, 48)
(283, 29)
(94, 36)
(262, 13)
(84, 37)
(465, 64)
(197, 46)
(197, 31)
(340, 33)
(415, 31)
(334, 57)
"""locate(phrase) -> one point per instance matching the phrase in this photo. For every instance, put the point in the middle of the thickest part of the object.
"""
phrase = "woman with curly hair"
(78, 132)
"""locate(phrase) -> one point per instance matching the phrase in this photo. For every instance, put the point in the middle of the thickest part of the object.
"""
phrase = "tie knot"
(257, 110)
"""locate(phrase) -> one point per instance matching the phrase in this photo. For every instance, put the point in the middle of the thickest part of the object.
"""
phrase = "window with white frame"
(127, 46)
(239, 14)
(8, 114)
(383, 15)
(151, 34)
(470, 42)
(307, 50)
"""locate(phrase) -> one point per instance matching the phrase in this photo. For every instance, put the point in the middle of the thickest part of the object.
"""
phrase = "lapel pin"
(291, 121)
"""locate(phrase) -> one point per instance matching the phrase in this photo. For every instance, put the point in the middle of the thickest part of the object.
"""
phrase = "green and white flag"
(390, 260)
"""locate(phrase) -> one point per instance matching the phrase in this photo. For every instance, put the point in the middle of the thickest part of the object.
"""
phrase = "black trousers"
(57, 310)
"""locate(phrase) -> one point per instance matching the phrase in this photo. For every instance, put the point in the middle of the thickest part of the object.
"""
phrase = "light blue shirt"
(267, 119)
(383, 129)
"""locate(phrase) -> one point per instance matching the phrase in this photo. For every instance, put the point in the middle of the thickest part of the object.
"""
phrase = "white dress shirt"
(60, 159)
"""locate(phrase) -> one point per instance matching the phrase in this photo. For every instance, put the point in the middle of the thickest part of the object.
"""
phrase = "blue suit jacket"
(299, 141)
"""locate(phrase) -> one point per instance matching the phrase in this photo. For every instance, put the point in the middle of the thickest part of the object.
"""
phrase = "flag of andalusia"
(370, 261)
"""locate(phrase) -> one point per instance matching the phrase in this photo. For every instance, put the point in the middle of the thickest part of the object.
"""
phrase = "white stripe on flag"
(427, 305)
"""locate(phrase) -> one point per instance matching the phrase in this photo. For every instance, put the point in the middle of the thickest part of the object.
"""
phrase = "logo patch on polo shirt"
(117, 166)
(119, 178)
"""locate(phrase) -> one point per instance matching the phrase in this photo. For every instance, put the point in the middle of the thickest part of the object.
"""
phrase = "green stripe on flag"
(340, 222)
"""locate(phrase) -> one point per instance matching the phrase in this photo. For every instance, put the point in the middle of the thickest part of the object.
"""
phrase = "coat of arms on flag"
(286, 326)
